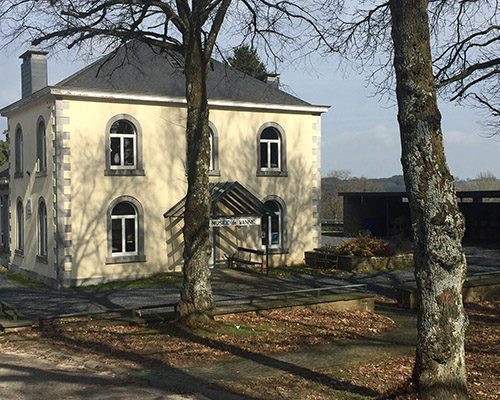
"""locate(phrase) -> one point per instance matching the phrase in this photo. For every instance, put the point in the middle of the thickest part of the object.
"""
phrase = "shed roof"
(460, 194)
(229, 200)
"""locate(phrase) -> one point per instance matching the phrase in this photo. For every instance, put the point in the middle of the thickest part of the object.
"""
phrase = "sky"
(359, 133)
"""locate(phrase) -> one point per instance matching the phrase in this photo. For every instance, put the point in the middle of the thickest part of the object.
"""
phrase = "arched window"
(125, 231)
(214, 150)
(42, 228)
(273, 225)
(41, 147)
(19, 153)
(271, 154)
(123, 146)
(270, 144)
(19, 226)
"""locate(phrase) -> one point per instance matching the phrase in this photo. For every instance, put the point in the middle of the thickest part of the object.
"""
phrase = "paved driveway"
(46, 303)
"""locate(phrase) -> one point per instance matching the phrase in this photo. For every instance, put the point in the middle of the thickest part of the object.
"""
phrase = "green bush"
(366, 246)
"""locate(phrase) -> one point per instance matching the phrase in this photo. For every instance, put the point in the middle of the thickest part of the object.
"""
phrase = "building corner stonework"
(62, 194)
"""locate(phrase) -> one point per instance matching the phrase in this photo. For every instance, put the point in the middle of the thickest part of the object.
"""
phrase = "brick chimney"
(33, 72)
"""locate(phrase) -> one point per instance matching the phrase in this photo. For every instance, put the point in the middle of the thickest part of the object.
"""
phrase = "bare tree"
(399, 34)
(192, 29)
(466, 54)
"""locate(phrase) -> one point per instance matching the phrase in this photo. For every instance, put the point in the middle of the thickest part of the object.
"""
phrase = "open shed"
(386, 214)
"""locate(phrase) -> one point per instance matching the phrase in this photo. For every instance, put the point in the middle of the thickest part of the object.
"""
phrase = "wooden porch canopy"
(232, 205)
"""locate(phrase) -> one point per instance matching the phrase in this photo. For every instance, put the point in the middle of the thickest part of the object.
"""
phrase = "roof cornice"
(146, 98)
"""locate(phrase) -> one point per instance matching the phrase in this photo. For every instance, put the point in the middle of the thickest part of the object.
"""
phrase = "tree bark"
(196, 294)
(438, 226)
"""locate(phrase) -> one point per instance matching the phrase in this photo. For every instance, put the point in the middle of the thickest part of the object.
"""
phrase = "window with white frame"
(19, 226)
(42, 229)
(122, 144)
(270, 150)
(19, 153)
(272, 234)
(41, 150)
(124, 229)
(123, 150)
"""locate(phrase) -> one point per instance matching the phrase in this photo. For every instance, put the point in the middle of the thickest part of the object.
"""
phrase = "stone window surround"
(283, 168)
(140, 256)
(283, 249)
(138, 171)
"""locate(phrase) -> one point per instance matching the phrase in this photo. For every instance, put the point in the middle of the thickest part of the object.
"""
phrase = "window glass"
(20, 225)
(272, 225)
(270, 157)
(211, 138)
(123, 145)
(41, 151)
(128, 151)
(275, 230)
(130, 235)
(123, 229)
(270, 133)
(122, 126)
(19, 151)
(42, 229)
(116, 233)
(115, 151)
(263, 155)
(124, 208)
(274, 155)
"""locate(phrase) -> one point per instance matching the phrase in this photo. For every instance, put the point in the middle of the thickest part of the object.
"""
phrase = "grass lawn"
(21, 280)
(161, 279)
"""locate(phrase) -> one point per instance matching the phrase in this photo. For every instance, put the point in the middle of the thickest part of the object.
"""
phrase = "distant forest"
(342, 181)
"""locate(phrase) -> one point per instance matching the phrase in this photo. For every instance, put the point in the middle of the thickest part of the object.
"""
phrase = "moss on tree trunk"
(437, 223)
(196, 294)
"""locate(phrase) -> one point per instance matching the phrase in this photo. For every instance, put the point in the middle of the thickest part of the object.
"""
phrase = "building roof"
(229, 200)
(140, 69)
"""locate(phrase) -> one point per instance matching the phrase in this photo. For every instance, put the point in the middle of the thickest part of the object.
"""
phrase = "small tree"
(4, 148)
(246, 59)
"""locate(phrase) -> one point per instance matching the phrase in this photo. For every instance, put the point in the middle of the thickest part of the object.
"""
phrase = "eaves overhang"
(18, 105)
(147, 98)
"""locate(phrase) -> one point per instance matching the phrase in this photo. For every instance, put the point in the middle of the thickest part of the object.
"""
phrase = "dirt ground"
(154, 345)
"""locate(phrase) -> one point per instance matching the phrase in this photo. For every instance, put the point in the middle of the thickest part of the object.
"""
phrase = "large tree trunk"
(438, 225)
(196, 294)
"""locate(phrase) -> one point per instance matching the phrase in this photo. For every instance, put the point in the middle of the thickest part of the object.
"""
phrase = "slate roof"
(139, 69)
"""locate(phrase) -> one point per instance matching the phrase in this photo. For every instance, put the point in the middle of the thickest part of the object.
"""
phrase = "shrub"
(366, 246)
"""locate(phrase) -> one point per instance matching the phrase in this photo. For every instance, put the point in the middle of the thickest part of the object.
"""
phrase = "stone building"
(99, 158)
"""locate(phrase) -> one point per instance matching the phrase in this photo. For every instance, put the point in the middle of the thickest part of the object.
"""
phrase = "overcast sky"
(359, 133)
